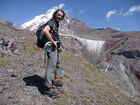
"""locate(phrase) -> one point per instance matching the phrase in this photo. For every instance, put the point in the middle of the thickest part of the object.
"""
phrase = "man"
(53, 62)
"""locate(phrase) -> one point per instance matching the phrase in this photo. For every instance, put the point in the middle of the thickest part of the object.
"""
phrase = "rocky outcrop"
(120, 57)
(12, 40)
(73, 26)
(7, 46)
(120, 60)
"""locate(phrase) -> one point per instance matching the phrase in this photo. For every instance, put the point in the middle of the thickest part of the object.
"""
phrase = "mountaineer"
(53, 77)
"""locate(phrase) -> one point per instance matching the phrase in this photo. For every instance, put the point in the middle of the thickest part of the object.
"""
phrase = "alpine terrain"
(100, 66)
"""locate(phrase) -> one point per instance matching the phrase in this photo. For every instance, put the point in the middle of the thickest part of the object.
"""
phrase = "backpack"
(41, 39)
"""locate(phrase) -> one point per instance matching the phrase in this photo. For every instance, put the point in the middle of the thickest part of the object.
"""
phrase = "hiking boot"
(57, 82)
(60, 89)
(52, 92)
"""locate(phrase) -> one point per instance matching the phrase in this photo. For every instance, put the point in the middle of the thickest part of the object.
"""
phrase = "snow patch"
(91, 45)
(33, 24)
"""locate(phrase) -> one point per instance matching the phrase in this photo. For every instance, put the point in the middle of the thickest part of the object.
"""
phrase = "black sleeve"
(51, 24)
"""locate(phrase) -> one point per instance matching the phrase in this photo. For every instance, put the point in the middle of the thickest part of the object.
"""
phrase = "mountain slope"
(22, 74)
(67, 26)
(38, 20)
(22, 83)
(111, 51)
(116, 55)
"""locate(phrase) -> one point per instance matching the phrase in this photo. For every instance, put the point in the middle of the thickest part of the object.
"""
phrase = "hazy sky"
(123, 15)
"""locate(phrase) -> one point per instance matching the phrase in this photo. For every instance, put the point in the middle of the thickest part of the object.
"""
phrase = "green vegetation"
(89, 87)
(5, 61)
(83, 84)
(29, 51)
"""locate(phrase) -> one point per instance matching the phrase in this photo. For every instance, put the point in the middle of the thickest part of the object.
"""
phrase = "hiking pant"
(53, 69)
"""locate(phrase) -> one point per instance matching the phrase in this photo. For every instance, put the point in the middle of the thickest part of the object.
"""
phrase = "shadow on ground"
(36, 81)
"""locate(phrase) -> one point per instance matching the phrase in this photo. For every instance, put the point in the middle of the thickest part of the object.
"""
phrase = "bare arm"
(48, 35)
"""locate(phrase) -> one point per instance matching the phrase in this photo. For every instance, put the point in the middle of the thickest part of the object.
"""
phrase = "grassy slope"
(83, 84)
(86, 86)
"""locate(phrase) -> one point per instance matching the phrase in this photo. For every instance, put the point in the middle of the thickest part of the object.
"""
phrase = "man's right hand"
(54, 43)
